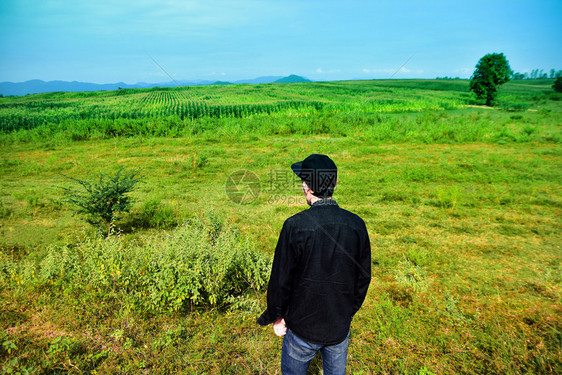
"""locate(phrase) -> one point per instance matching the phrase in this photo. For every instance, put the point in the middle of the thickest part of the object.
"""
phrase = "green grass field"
(463, 205)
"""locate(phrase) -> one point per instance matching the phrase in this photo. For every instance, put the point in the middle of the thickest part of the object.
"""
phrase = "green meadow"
(463, 204)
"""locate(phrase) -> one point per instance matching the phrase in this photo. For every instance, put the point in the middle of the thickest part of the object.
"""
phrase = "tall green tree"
(491, 72)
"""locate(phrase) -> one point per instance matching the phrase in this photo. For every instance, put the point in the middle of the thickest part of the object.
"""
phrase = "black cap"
(319, 172)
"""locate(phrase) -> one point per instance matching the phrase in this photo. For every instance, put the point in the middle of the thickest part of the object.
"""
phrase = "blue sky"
(111, 41)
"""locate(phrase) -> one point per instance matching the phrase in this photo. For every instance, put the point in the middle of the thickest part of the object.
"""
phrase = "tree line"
(537, 74)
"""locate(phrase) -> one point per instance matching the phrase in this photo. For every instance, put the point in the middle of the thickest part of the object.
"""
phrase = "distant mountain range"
(37, 86)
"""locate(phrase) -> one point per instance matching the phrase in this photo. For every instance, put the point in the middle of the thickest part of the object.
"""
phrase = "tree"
(557, 86)
(491, 72)
(534, 74)
(101, 200)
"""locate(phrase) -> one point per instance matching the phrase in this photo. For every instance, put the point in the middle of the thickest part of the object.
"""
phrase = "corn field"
(238, 101)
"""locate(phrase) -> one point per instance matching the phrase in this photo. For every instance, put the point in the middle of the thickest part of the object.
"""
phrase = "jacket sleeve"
(280, 281)
(364, 273)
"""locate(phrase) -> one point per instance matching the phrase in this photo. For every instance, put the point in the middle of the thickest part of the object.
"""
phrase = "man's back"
(323, 258)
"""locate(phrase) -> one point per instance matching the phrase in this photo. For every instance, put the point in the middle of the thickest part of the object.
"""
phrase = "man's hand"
(279, 327)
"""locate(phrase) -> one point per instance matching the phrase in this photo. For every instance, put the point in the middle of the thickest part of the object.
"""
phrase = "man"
(320, 275)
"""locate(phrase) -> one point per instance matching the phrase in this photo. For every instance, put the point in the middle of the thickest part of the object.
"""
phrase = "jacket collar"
(324, 202)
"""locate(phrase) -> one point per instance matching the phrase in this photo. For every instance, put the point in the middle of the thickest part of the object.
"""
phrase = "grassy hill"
(292, 79)
(462, 203)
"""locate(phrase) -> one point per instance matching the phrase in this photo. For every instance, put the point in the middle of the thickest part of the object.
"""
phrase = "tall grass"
(198, 264)
(424, 127)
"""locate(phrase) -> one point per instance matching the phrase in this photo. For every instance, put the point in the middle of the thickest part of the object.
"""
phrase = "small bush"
(557, 85)
(199, 161)
(515, 107)
(101, 200)
(156, 214)
(34, 201)
(449, 197)
(529, 130)
(410, 275)
(4, 211)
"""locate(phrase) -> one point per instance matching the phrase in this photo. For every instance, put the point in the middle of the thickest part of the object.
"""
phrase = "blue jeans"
(297, 354)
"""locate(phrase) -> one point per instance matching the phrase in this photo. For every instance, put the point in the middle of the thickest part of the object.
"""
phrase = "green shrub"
(557, 85)
(34, 201)
(200, 161)
(449, 198)
(4, 211)
(410, 275)
(514, 107)
(196, 264)
(156, 214)
(101, 201)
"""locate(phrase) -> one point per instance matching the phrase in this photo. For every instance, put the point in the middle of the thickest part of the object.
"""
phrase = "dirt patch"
(480, 106)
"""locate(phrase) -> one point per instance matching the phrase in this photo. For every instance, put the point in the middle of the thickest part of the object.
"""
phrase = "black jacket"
(320, 274)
